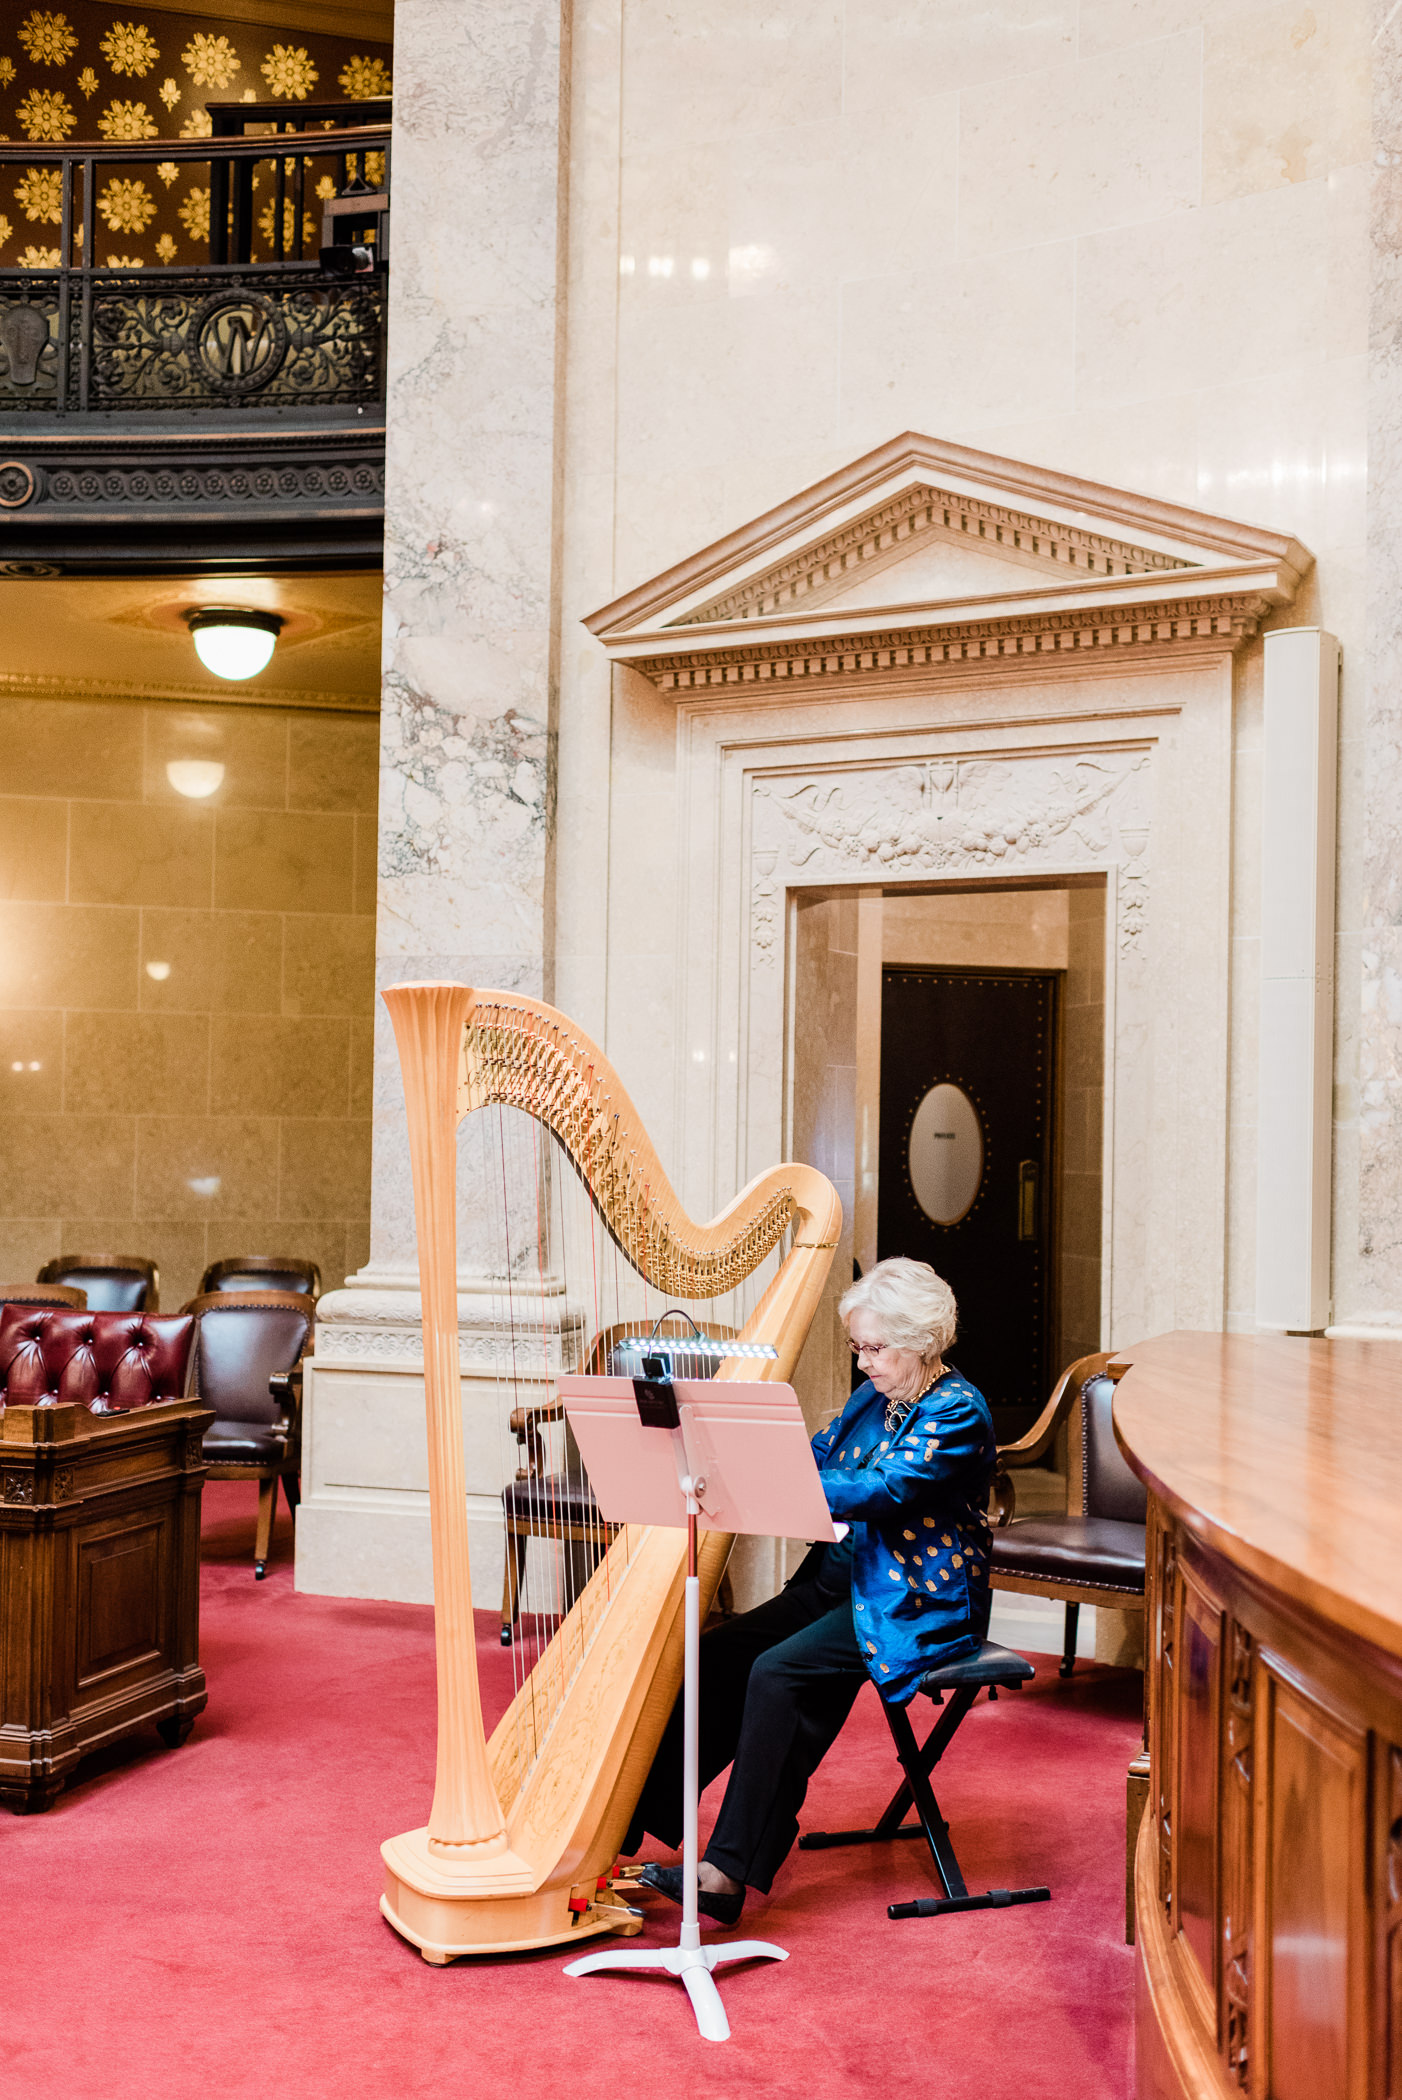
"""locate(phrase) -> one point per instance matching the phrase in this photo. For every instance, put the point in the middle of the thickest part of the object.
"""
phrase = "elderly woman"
(907, 1467)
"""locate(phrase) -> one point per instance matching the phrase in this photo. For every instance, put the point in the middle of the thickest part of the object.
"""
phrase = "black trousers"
(777, 1683)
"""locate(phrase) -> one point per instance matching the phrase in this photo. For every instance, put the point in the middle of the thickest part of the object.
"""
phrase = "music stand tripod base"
(688, 1960)
(693, 1965)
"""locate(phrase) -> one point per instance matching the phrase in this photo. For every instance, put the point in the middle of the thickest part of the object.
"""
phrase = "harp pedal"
(602, 1902)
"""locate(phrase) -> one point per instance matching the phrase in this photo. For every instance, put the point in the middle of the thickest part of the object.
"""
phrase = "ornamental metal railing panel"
(258, 325)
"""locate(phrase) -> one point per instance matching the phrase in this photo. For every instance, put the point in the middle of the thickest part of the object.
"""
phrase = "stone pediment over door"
(925, 555)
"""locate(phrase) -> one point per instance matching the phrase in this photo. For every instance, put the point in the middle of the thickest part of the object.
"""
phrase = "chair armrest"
(1029, 1449)
(525, 1427)
(286, 1386)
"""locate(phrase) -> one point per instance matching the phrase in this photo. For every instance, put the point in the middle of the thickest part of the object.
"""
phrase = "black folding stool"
(991, 1668)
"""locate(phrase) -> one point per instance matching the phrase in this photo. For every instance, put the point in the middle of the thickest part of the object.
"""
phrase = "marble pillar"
(1380, 1033)
(471, 642)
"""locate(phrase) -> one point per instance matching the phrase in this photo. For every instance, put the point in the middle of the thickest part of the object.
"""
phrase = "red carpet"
(204, 1921)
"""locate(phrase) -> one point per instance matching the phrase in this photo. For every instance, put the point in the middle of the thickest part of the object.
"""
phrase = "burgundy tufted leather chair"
(248, 1351)
(108, 1362)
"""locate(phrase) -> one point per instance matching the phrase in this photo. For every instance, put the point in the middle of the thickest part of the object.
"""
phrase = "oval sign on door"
(946, 1153)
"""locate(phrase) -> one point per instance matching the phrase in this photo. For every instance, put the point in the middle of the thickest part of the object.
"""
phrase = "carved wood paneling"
(1311, 1941)
(1165, 1704)
(1306, 1898)
(1237, 1856)
(1197, 1776)
(1390, 1923)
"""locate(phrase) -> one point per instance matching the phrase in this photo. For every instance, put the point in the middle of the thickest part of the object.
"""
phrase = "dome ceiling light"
(234, 642)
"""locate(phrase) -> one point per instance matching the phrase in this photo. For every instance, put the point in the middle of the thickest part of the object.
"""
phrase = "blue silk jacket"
(921, 1546)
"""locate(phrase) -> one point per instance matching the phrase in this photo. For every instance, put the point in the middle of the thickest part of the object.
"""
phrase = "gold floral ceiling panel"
(89, 72)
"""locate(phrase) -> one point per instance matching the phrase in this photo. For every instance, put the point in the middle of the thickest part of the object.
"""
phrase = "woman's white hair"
(915, 1306)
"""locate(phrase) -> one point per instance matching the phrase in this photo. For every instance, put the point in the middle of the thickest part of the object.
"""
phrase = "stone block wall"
(186, 984)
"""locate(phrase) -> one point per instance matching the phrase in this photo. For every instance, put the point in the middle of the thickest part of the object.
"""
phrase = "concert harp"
(524, 1826)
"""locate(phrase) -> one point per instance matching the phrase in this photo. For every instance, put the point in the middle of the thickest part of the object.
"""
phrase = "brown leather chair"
(113, 1282)
(263, 1272)
(41, 1294)
(99, 1538)
(1094, 1554)
(249, 1347)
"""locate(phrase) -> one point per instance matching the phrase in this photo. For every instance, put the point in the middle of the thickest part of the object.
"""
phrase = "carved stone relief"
(388, 1332)
(951, 815)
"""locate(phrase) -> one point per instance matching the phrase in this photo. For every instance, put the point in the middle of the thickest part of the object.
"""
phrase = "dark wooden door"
(965, 1164)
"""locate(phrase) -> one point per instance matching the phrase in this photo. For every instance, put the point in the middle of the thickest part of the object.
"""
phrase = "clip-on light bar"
(652, 1389)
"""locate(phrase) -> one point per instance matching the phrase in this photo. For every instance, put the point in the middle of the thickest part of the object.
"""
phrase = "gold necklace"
(897, 1410)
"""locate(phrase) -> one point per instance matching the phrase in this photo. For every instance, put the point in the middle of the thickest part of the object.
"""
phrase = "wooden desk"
(99, 1585)
(1268, 1874)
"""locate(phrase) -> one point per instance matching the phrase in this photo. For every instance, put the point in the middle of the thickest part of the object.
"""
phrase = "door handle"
(1028, 1180)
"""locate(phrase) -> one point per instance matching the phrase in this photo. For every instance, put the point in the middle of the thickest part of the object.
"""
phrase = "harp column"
(470, 640)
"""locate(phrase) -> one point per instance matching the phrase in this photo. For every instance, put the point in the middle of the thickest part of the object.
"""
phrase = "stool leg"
(917, 1764)
(891, 1822)
(1068, 1646)
(923, 1794)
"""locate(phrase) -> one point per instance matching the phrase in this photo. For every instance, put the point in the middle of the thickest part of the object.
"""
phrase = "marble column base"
(363, 1524)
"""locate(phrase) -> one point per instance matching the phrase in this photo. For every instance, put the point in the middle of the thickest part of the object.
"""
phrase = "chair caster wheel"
(260, 1569)
(506, 1636)
(1064, 1669)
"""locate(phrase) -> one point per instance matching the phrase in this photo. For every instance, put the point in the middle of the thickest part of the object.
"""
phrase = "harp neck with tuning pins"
(524, 1825)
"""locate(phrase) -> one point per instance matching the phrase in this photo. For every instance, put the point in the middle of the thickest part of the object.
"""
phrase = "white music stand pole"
(688, 1960)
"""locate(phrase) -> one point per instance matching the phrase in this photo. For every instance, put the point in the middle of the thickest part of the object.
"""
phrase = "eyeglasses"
(867, 1348)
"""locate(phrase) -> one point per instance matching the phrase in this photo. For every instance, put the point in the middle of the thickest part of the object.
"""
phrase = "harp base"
(449, 1910)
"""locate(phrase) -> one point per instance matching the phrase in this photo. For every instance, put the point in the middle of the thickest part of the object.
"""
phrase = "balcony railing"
(255, 323)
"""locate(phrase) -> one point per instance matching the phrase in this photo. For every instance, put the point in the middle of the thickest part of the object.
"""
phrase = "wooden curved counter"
(1268, 1874)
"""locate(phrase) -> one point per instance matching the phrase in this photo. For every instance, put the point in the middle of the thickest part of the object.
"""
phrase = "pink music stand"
(738, 1460)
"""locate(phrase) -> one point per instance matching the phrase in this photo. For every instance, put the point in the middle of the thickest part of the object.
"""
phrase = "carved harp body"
(523, 1825)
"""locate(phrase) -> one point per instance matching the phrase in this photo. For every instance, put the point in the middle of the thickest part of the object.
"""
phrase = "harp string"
(562, 1288)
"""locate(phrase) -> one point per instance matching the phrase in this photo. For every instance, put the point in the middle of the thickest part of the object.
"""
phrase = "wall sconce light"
(233, 642)
(195, 777)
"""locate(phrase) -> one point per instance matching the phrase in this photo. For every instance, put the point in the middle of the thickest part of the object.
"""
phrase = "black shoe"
(668, 1882)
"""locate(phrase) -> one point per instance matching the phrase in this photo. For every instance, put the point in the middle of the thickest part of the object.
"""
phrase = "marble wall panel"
(471, 624)
(896, 54)
(1378, 1291)
(1112, 141)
